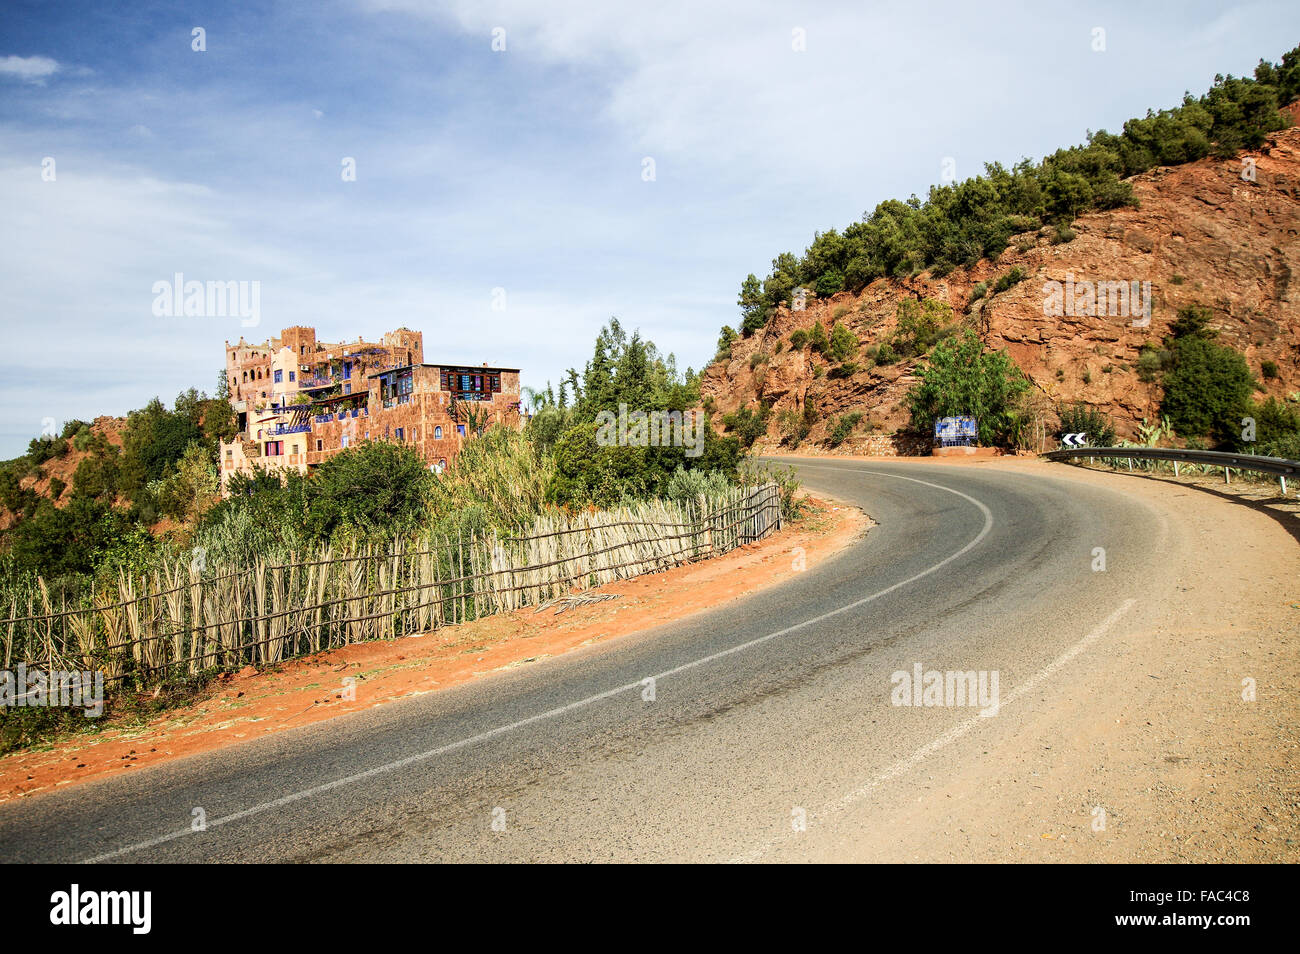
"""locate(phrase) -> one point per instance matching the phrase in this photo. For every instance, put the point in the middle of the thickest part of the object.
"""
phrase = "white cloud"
(29, 69)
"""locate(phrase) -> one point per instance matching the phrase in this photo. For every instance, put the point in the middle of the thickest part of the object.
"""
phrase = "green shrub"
(1288, 447)
(1079, 418)
(1207, 390)
(798, 339)
(843, 343)
(748, 425)
(375, 489)
(979, 291)
(1274, 421)
(725, 340)
(1062, 234)
(688, 485)
(962, 377)
(1192, 321)
(817, 339)
(843, 427)
(845, 370)
(829, 283)
(1152, 362)
(797, 425)
(1208, 386)
(1268, 369)
(1008, 279)
(921, 324)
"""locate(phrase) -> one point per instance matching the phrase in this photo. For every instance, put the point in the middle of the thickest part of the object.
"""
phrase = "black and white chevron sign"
(1075, 440)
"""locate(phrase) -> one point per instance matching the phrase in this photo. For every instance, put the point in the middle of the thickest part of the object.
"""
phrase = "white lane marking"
(906, 764)
(552, 713)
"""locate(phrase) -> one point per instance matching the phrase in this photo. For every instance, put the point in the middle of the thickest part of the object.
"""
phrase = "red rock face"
(1223, 234)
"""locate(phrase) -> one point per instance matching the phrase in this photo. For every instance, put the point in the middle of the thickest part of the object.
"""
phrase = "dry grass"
(182, 618)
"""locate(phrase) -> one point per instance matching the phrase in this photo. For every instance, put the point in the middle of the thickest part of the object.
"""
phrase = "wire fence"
(180, 619)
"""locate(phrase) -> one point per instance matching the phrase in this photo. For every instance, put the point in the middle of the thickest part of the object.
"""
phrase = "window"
(320, 444)
(291, 375)
(437, 433)
(278, 375)
(346, 440)
(398, 434)
(274, 448)
(460, 429)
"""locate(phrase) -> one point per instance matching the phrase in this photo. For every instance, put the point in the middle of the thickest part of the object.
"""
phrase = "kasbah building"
(299, 400)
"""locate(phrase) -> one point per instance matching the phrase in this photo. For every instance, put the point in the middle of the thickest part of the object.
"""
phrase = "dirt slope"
(1201, 234)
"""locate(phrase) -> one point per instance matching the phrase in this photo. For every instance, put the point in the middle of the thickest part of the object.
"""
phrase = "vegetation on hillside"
(962, 223)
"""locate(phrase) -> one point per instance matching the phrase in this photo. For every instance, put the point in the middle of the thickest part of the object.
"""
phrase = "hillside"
(1200, 234)
(56, 473)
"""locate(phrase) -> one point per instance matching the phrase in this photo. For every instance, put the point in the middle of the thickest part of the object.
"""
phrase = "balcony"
(290, 429)
(323, 418)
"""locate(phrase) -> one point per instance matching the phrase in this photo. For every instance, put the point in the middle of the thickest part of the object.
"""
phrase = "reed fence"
(182, 618)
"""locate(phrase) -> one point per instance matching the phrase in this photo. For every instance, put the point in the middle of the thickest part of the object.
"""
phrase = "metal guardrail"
(1276, 466)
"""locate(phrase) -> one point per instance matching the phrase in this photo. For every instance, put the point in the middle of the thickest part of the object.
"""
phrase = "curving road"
(770, 709)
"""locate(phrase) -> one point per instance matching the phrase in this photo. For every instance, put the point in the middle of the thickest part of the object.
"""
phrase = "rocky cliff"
(1223, 234)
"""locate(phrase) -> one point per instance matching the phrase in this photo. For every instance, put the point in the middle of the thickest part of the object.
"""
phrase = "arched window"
(437, 433)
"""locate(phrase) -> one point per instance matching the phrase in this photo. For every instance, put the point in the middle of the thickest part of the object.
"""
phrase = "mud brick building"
(299, 400)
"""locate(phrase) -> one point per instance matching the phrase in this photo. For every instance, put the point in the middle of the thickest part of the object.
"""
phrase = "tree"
(843, 343)
(1207, 390)
(155, 439)
(753, 308)
(375, 489)
(962, 377)
(1208, 386)
(186, 494)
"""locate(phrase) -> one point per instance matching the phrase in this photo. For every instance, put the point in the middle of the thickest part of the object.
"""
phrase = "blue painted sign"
(953, 431)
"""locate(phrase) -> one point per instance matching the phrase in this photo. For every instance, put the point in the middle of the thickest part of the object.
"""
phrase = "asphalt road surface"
(768, 714)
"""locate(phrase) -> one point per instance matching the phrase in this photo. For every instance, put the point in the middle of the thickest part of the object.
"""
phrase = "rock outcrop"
(1223, 234)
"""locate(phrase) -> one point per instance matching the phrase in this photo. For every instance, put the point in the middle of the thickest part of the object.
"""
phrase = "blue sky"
(518, 169)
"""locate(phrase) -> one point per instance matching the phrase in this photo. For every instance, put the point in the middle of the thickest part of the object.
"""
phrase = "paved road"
(777, 702)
